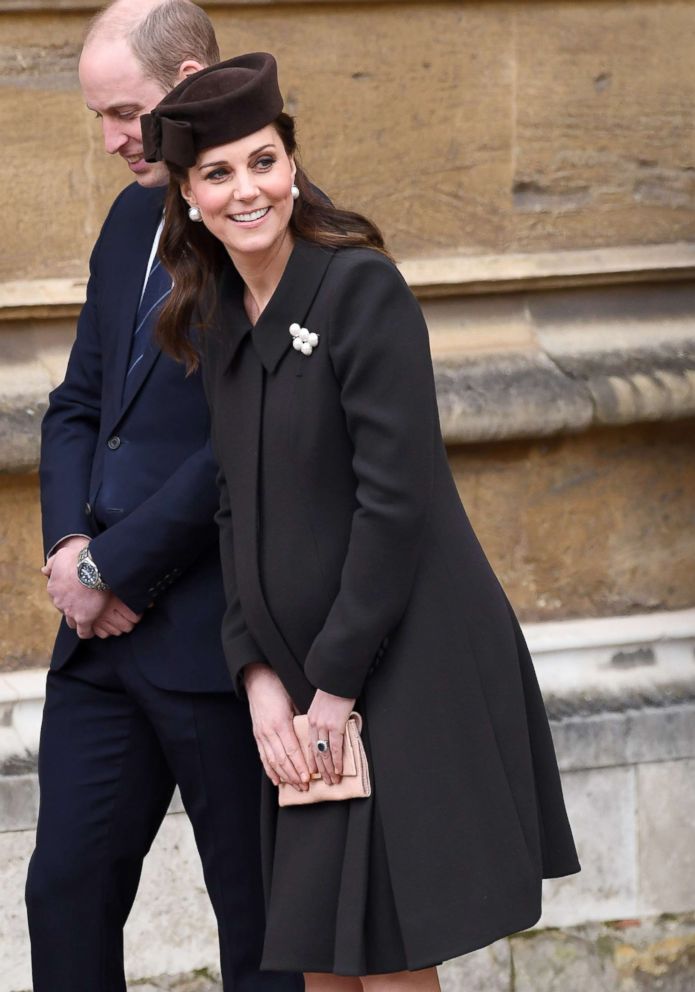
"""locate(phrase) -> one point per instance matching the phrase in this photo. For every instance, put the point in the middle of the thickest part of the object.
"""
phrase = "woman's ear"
(187, 194)
(293, 164)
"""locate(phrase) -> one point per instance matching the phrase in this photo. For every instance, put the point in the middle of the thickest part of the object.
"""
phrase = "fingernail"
(305, 777)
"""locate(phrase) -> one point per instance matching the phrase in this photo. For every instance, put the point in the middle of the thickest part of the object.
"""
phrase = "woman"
(353, 577)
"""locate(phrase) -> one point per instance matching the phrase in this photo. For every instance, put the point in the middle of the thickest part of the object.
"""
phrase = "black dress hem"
(430, 961)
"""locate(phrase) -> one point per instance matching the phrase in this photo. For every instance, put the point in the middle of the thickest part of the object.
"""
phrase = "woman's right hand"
(271, 714)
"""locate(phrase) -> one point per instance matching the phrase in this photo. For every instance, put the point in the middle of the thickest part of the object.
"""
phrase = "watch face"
(88, 574)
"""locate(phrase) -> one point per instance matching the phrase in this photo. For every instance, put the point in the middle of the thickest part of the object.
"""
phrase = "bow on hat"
(165, 139)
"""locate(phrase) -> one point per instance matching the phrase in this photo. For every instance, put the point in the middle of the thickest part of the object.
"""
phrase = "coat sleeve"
(240, 648)
(379, 348)
(141, 555)
(70, 427)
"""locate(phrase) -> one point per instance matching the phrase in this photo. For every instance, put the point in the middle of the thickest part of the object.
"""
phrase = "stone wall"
(475, 127)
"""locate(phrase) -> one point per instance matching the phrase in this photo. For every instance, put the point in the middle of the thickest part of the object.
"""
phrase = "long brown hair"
(195, 258)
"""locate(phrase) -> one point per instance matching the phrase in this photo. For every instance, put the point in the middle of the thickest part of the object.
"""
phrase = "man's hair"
(172, 32)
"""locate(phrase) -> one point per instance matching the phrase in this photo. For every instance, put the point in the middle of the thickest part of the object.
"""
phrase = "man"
(138, 697)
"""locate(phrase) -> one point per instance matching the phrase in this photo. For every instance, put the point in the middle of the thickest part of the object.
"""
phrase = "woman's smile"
(251, 217)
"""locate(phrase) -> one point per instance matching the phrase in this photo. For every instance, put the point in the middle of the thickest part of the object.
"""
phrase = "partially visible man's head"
(136, 51)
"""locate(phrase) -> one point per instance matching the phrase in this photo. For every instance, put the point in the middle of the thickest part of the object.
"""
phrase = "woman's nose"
(246, 187)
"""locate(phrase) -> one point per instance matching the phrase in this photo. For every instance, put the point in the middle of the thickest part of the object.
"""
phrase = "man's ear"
(187, 68)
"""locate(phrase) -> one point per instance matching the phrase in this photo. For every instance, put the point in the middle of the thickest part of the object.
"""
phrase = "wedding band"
(322, 746)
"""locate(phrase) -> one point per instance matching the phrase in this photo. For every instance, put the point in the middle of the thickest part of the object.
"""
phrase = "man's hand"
(271, 714)
(116, 618)
(80, 605)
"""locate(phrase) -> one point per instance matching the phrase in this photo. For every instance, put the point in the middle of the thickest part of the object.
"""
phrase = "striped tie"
(156, 291)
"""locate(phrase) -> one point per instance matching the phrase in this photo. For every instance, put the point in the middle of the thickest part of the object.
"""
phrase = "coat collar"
(290, 303)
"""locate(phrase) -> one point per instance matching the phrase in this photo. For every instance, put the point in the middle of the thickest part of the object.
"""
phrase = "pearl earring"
(294, 190)
(195, 214)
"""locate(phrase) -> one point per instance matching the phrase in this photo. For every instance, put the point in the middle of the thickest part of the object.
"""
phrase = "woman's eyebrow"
(208, 165)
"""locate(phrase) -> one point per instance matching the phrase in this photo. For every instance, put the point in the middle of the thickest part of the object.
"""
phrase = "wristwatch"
(88, 573)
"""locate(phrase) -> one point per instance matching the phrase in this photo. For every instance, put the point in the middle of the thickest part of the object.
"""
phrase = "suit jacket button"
(114, 442)
(88, 509)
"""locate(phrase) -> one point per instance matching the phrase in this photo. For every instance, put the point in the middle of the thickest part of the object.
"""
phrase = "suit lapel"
(139, 374)
(132, 266)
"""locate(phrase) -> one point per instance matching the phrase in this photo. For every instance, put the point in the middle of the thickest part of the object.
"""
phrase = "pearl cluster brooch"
(304, 340)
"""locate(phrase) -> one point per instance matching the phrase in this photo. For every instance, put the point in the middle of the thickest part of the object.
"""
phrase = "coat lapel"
(290, 302)
(250, 386)
(271, 339)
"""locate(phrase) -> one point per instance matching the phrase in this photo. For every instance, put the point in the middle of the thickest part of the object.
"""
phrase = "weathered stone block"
(178, 983)
(588, 526)
(593, 154)
(172, 928)
(625, 738)
(19, 802)
(529, 391)
(602, 810)
(656, 955)
(15, 968)
(666, 811)
(559, 962)
(487, 970)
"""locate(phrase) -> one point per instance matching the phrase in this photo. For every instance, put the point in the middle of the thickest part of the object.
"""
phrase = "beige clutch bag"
(355, 782)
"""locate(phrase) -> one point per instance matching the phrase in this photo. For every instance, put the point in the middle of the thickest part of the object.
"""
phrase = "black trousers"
(112, 748)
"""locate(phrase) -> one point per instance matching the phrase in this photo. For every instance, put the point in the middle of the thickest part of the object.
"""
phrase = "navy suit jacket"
(154, 539)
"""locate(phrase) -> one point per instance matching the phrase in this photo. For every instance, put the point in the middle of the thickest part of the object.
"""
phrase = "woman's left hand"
(328, 716)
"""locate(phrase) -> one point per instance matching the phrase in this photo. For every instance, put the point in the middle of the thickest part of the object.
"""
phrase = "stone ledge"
(496, 396)
(455, 275)
(620, 691)
(614, 664)
(442, 276)
(507, 366)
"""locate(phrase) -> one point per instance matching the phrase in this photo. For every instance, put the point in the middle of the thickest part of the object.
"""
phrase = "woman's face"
(243, 191)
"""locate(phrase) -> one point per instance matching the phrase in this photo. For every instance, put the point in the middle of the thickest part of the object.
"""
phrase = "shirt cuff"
(56, 546)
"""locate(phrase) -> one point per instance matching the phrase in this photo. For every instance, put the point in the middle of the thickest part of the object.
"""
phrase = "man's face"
(116, 89)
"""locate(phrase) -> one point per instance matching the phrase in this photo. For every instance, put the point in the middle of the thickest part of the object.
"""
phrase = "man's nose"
(114, 138)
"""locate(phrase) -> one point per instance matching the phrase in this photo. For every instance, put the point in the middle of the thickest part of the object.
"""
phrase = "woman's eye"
(217, 174)
(265, 162)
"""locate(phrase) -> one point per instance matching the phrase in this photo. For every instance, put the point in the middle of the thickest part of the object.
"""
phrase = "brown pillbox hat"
(219, 104)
